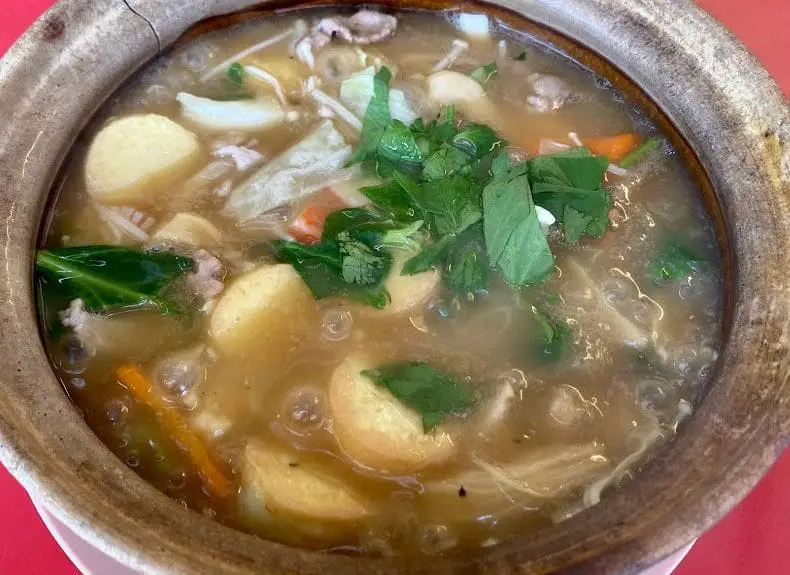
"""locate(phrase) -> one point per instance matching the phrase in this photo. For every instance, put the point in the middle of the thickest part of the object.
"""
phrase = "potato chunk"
(188, 229)
(281, 485)
(407, 292)
(376, 430)
(133, 159)
(264, 315)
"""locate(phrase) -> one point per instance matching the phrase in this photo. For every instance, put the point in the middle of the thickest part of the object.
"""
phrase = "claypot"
(714, 92)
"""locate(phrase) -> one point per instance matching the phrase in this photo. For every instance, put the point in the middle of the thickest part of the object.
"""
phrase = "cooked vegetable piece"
(176, 426)
(637, 155)
(514, 238)
(467, 269)
(357, 92)
(135, 159)
(263, 314)
(615, 148)
(110, 278)
(375, 429)
(287, 485)
(188, 229)
(673, 261)
(430, 392)
(408, 292)
(484, 73)
(449, 87)
(568, 184)
(377, 117)
(236, 73)
(554, 336)
(308, 226)
(305, 167)
(215, 115)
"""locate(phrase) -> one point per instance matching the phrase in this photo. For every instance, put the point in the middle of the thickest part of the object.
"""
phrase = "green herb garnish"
(377, 117)
(514, 239)
(637, 155)
(236, 74)
(673, 261)
(484, 73)
(110, 278)
(431, 393)
(554, 336)
(521, 57)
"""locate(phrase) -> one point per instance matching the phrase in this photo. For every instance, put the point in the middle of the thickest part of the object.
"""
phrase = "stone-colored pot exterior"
(717, 95)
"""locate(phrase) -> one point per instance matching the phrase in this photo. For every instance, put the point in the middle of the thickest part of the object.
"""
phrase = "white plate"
(91, 561)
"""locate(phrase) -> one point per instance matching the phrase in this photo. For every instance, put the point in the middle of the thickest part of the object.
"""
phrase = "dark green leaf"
(554, 336)
(448, 204)
(521, 57)
(467, 268)
(319, 265)
(108, 278)
(431, 393)
(477, 140)
(576, 168)
(636, 156)
(361, 264)
(574, 224)
(484, 73)
(397, 150)
(673, 261)
(356, 221)
(428, 257)
(236, 74)
(446, 161)
(391, 198)
(377, 117)
(514, 239)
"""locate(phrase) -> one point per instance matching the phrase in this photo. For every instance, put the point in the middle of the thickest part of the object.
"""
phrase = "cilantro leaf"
(433, 394)
(377, 117)
(514, 239)
(448, 204)
(484, 73)
(109, 278)
(360, 264)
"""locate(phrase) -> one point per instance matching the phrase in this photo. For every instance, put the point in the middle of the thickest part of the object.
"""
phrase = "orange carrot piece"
(174, 424)
(613, 147)
(309, 224)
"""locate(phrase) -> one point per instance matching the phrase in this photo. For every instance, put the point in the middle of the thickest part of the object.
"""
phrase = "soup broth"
(401, 284)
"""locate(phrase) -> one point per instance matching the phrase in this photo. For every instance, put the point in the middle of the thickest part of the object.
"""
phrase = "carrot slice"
(613, 147)
(308, 226)
(175, 425)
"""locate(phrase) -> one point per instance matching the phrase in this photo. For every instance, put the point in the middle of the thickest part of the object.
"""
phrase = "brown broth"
(609, 397)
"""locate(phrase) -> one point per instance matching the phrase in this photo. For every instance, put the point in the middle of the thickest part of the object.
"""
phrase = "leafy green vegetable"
(431, 393)
(467, 268)
(341, 266)
(636, 156)
(109, 278)
(409, 238)
(236, 74)
(391, 198)
(554, 335)
(362, 223)
(397, 150)
(484, 73)
(521, 57)
(430, 255)
(448, 204)
(568, 184)
(446, 161)
(477, 140)
(377, 117)
(673, 261)
(514, 239)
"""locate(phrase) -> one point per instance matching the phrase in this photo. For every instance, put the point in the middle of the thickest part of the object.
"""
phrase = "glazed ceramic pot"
(727, 112)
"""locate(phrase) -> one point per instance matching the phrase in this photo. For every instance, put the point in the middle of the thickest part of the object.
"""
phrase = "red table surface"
(753, 538)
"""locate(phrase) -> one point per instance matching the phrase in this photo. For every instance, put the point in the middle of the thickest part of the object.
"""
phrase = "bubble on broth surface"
(303, 410)
(116, 411)
(436, 539)
(336, 324)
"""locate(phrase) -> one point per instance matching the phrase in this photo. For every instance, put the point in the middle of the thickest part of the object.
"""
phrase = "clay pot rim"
(718, 96)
